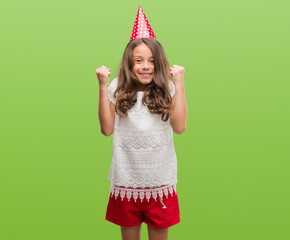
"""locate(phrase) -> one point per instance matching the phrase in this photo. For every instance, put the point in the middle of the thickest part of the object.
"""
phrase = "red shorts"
(130, 213)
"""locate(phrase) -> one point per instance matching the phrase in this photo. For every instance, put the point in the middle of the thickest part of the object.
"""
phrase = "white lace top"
(144, 162)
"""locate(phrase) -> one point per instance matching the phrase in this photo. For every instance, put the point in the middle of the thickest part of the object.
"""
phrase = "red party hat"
(142, 28)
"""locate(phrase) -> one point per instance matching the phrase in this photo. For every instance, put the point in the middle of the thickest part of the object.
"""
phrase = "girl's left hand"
(177, 72)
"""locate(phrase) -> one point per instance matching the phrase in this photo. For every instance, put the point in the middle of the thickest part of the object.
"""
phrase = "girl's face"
(143, 65)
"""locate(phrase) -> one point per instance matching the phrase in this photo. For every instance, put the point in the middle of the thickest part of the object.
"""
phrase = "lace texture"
(142, 193)
(144, 162)
(144, 178)
(141, 142)
(143, 151)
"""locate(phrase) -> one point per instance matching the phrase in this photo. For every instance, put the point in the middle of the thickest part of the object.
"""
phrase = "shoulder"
(171, 87)
(113, 85)
(111, 90)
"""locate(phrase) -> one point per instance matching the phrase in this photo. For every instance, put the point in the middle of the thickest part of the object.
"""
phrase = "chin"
(145, 81)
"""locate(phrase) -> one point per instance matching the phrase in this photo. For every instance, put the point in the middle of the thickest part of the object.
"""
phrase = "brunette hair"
(156, 94)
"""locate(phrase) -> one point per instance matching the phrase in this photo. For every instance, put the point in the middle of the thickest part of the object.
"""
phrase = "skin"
(134, 233)
(106, 108)
(178, 106)
(143, 66)
(131, 233)
(143, 69)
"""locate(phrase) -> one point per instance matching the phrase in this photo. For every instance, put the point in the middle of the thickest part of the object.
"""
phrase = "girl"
(141, 108)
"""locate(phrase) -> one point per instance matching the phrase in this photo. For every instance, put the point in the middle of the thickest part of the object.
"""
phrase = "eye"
(138, 60)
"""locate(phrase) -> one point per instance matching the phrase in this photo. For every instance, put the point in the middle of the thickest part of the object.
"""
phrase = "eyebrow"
(141, 56)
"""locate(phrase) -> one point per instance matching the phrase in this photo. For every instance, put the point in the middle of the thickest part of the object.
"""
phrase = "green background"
(233, 159)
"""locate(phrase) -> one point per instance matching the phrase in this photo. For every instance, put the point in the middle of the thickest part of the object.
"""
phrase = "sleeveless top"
(144, 162)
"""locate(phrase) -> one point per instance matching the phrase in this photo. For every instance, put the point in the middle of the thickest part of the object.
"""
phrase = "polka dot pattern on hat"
(142, 28)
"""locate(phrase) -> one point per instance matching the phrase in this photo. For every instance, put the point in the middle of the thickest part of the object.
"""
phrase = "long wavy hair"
(156, 94)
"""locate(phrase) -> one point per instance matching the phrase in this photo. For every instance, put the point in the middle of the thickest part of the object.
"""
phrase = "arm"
(106, 112)
(178, 108)
(106, 109)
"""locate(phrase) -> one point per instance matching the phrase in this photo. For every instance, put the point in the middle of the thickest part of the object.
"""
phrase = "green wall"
(233, 159)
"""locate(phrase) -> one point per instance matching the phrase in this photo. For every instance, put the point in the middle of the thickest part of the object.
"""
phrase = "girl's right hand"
(103, 73)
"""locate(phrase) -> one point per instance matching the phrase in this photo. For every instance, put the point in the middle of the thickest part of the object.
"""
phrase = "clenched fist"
(103, 73)
(177, 73)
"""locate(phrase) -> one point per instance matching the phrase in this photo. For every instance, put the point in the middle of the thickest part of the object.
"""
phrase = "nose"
(145, 65)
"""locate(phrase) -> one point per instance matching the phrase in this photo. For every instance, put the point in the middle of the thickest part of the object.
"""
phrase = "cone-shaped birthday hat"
(142, 28)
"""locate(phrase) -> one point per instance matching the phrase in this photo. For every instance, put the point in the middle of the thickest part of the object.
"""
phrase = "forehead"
(142, 50)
